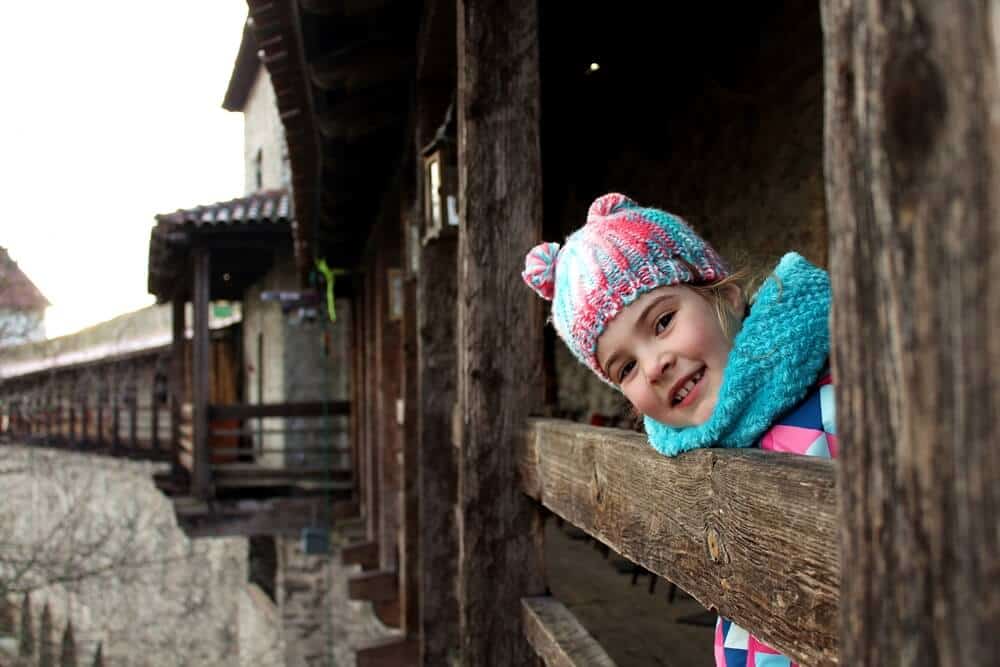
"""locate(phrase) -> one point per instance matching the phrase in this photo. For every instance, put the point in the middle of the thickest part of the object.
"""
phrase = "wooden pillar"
(116, 400)
(178, 326)
(200, 372)
(372, 494)
(102, 391)
(912, 149)
(437, 456)
(358, 404)
(499, 325)
(388, 341)
(154, 407)
(133, 407)
(72, 396)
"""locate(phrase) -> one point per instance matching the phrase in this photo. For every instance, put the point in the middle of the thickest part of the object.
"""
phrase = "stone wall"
(303, 360)
(108, 553)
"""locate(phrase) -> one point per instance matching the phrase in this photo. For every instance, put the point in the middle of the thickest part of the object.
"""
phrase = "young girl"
(652, 309)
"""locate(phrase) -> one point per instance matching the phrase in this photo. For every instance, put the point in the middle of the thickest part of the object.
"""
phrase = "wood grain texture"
(389, 371)
(752, 534)
(558, 638)
(200, 370)
(912, 149)
(438, 462)
(499, 323)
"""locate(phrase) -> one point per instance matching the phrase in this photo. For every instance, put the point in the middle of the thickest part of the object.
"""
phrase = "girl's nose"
(655, 364)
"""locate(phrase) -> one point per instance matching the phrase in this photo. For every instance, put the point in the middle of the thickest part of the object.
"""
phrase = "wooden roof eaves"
(277, 27)
(244, 71)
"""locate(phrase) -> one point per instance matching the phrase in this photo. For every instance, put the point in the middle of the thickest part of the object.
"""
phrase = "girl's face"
(666, 351)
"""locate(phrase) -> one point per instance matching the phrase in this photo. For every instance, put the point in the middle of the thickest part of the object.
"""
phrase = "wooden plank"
(200, 371)
(390, 653)
(293, 409)
(376, 586)
(752, 534)
(409, 465)
(500, 212)
(558, 638)
(912, 144)
(364, 554)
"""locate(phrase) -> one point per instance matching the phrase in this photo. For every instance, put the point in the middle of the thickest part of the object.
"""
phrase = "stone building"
(22, 305)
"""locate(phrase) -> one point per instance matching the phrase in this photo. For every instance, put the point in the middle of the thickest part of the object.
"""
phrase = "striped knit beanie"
(622, 252)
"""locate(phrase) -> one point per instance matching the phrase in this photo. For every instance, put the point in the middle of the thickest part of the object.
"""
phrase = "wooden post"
(200, 478)
(357, 387)
(102, 384)
(388, 368)
(177, 327)
(372, 493)
(133, 407)
(72, 396)
(409, 534)
(436, 370)
(499, 324)
(438, 464)
(154, 407)
(115, 391)
(912, 144)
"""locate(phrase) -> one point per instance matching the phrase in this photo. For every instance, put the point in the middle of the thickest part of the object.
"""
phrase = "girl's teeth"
(686, 389)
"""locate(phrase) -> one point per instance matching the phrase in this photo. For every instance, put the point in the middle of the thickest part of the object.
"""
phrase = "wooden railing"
(752, 534)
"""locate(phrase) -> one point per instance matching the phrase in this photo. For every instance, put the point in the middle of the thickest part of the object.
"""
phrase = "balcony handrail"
(752, 534)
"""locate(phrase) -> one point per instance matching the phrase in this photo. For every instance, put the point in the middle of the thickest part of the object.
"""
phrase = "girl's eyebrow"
(642, 318)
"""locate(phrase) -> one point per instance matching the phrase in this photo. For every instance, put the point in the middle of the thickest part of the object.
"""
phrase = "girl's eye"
(625, 370)
(663, 322)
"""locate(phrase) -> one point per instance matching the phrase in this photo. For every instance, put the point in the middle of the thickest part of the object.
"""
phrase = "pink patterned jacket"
(810, 429)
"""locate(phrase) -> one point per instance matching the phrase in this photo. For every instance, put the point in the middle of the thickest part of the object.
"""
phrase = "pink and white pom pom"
(540, 269)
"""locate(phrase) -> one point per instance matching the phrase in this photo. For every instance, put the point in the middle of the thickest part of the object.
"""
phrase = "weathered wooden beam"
(377, 586)
(388, 367)
(177, 327)
(752, 534)
(558, 638)
(389, 653)
(292, 409)
(409, 465)
(200, 370)
(912, 146)
(364, 554)
(499, 383)
(438, 460)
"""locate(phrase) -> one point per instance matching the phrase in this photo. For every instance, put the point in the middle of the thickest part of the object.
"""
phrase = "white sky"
(111, 113)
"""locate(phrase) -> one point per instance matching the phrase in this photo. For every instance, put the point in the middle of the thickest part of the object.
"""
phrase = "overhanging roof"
(244, 71)
(343, 74)
(243, 234)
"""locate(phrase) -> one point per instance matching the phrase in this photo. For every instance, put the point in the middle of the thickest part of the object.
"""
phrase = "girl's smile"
(667, 352)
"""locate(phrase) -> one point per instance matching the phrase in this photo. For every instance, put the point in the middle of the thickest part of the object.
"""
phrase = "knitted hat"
(622, 252)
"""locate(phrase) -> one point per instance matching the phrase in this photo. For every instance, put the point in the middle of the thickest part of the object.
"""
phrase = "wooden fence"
(752, 534)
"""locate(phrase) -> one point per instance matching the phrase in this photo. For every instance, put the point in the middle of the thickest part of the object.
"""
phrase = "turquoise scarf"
(776, 359)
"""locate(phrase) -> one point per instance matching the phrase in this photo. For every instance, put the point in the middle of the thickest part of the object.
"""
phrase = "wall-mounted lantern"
(440, 188)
